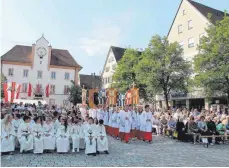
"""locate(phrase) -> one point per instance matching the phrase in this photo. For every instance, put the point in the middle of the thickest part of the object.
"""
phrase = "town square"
(96, 84)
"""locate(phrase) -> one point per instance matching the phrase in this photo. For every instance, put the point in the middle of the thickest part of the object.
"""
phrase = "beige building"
(187, 29)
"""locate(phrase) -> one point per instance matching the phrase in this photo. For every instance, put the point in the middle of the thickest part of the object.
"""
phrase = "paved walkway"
(162, 152)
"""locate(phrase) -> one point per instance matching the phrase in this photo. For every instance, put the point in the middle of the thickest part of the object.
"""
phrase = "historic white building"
(40, 66)
(113, 56)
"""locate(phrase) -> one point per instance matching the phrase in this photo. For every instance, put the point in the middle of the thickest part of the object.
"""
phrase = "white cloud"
(100, 37)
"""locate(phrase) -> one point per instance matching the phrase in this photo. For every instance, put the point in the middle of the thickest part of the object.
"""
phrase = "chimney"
(94, 73)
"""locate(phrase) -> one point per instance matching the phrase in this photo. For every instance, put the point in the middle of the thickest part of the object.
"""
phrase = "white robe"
(76, 136)
(141, 121)
(49, 137)
(38, 138)
(25, 137)
(110, 119)
(106, 118)
(102, 144)
(90, 148)
(82, 140)
(62, 139)
(16, 124)
(134, 120)
(94, 113)
(7, 144)
(148, 124)
(115, 120)
(125, 124)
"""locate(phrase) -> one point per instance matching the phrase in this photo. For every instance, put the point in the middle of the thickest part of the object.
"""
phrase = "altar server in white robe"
(7, 134)
(90, 133)
(148, 124)
(49, 136)
(102, 142)
(140, 125)
(110, 128)
(94, 113)
(16, 123)
(62, 137)
(115, 123)
(125, 125)
(106, 119)
(37, 136)
(25, 135)
(76, 135)
(133, 123)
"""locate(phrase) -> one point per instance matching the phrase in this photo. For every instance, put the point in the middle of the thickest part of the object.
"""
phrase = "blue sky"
(87, 28)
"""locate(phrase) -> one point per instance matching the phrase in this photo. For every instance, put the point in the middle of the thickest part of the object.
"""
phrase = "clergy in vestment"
(133, 123)
(125, 125)
(37, 136)
(7, 134)
(62, 137)
(110, 128)
(141, 124)
(148, 124)
(90, 133)
(106, 119)
(25, 135)
(49, 135)
(102, 142)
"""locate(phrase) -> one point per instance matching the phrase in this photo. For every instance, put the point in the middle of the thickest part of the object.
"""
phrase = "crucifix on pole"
(133, 84)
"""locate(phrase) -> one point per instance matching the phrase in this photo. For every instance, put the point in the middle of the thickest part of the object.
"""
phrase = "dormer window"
(107, 69)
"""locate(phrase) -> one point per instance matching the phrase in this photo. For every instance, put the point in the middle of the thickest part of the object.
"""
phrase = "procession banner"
(91, 97)
(112, 96)
(128, 100)
(135, 96)
(84, 95)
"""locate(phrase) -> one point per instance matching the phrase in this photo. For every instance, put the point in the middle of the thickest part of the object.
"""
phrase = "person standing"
(133, 123)
(148, 124)
(125, 124)
(49, 134)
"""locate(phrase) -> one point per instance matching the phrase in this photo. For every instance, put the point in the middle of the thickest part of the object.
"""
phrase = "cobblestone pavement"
(162, 152)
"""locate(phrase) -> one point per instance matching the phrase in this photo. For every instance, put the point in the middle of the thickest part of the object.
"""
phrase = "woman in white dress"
(62, 137)
(76, 135)
(90, 133)
(16, 123)
(49, 136)
(7, 134)
(102, 142)
(25, 136)
(38, 136)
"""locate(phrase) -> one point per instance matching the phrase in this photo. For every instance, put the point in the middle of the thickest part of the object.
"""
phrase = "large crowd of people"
(40, 128)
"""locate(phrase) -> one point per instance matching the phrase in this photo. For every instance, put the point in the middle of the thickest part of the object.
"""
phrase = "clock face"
(41, 52)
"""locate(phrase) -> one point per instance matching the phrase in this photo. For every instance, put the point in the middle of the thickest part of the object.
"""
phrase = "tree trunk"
(166, 101)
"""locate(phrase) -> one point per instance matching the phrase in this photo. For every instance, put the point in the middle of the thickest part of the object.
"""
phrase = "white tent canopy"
(25, 101)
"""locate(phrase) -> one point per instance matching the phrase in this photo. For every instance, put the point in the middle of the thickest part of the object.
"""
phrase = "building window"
(191, 42)
(180, 29)
(107, 69)
(66, 76)
(184, 12)
(66, 89)
(52, 89)
(39, 89)
(114, 66)
(105, 80)
(181, 44)
(24, 87)
(53, 75)
(25, 73)
(11, 72)
(110, 80)
(201, 36)
(190, 25)
(39, 74)
(111, 59)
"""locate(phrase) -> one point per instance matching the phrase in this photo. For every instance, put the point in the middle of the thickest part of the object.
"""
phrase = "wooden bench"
(225, 136)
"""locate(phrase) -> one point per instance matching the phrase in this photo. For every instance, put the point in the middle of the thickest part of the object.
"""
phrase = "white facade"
(60, 77)
(109, 69)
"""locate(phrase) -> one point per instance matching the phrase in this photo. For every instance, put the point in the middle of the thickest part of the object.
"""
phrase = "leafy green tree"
(212, 62)
(162, 68)
(75, 94)
(124, 75)
(3, 80)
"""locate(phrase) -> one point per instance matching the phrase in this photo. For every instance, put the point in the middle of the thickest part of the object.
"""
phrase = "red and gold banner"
(112, 96)
(128, 100)
(135, 96)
